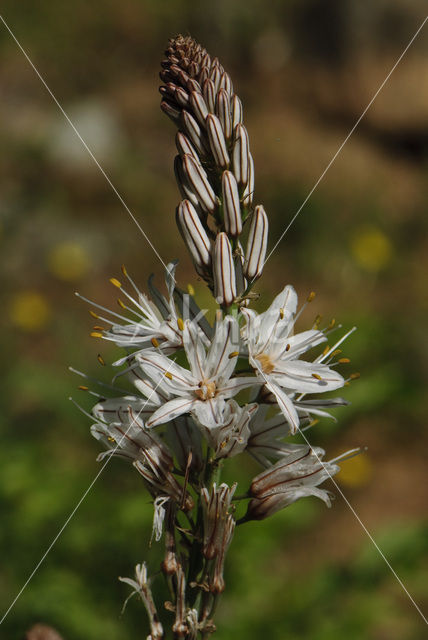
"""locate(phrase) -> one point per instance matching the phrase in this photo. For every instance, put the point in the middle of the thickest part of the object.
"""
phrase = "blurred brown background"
(305, 72)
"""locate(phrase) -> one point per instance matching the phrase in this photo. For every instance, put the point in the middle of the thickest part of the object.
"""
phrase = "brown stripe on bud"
(231, 204)
(224, 271)
(193, 131)
(237, 111)
(171, 110)
(199, 107)
(256, 245)
(198, 181)
(226, 83)
(249, 189)
(217, 141)
(194, 234)
(209, 92)
(241, 155)
(182, 182)
(222, 109)
(184, 145)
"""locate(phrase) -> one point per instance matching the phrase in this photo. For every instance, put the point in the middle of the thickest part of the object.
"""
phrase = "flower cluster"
(203, 393)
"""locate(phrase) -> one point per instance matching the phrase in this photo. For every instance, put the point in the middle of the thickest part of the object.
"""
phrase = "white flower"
(156, 322)
(274, 354)
(230, 436)
(204, 389)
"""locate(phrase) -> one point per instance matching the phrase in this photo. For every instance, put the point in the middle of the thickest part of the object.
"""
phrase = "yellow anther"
(317, 321)
(287, 348)
(116, 282)
(98, 328)
(180, 324)
(311, 296)
(94, 315)
(83, 388)
(101, 359)
(121, 304)
(346, 384)
(344, 361)
(96, 334)
(336, 353)
(281, 313)
(124, 271)
(233, 354)
(326, 350)
(313, 423)
(316, 376)
(168, 375)
(354, 376)
(190, 290)
(332, 323)
(110, 439)
(154, 342)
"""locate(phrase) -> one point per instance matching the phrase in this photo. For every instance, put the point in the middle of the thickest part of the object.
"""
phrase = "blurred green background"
(305, 71)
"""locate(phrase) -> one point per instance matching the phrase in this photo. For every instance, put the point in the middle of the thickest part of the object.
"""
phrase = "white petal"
(171, 410)
(195, 350)
(306, 377)
(285, 404)
(226, 340)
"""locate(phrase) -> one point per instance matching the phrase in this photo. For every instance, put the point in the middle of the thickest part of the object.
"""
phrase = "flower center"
(206, 391)
(266, 364)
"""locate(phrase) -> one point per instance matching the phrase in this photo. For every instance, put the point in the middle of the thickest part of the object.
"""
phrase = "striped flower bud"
(217, 141)
(241, 155)
(215, 509)
(182, 182)
(237, 111)
(193, 131)
(194, 235)
(198, 181)
(209, 92)
(224, 271)
(256, 245)
(184, 145)
(222, 109)
(171, 111)
(231, 204)
(226, 83)
(247, 199)
(199, 107)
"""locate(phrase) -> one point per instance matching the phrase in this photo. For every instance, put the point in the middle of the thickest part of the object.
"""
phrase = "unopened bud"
(231, 204)
(224, 271)
(199, 183)
(237, 112)
(222, 109)
(193, 131)
(241, 155)
(193, 234)
(199, 107)
(256, 245)
(217, 141)
(208, 90)
(184, 145)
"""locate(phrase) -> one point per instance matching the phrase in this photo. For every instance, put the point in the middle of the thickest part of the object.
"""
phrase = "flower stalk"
(203, 394)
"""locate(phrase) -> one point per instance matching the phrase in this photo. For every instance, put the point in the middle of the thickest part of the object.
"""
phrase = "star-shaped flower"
(204, 389)
(274, 354)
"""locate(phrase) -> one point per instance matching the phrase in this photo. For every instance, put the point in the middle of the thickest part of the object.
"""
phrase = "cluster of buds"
(214, 170)
(202, 394)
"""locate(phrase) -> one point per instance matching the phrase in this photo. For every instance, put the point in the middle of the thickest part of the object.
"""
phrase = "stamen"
(344, 361)
(331, 324)
(287, 348)
(190, 290)
(311, 296)
(281, 314)
(154, 342)
(96, 334)
(233, 354)
(168, 375)
(98, 328)
(180, 324)
(121, 304)
(316, 376)
(354, 376)
(94, 315)
(83, 388)
(115, 282)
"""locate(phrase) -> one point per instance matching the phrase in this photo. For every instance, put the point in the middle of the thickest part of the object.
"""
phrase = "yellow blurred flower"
(371, 249)
(355, 472)
(68, 261)
(29, 311)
